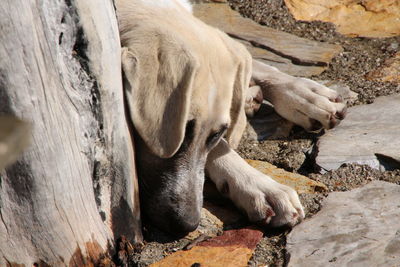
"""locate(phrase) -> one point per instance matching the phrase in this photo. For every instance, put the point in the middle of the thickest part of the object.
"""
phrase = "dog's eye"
(213, 138)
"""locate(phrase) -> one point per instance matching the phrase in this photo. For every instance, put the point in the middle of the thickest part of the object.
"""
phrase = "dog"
(186, 86)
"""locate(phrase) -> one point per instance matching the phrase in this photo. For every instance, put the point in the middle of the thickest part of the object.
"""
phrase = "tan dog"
(186, 85)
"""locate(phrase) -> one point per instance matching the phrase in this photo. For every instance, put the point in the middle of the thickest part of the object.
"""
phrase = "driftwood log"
(74, 189)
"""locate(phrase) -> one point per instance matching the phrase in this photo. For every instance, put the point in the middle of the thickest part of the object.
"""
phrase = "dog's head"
(185, 91)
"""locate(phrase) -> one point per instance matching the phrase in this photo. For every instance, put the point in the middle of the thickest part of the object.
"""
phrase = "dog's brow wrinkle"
(224, 126)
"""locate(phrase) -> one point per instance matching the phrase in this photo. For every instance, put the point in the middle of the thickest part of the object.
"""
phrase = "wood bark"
(74, 190)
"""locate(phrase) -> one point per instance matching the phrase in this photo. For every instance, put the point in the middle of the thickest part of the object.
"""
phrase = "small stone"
(393, 46)
(209, 225)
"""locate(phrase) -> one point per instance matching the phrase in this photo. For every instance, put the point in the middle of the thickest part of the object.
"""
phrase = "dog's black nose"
(179, 225)
(182, 226)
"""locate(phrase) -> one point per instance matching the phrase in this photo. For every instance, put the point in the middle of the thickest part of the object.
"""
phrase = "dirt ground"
(294, 154)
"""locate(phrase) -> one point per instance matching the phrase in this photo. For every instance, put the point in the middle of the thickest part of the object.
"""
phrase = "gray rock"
(355, 228)
(267, 124)
(369, 135)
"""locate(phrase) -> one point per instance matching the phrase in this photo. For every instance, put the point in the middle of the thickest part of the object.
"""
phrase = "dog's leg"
(263, 199)
(300, 100)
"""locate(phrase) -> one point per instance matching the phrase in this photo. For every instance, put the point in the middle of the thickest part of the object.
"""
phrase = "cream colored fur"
(168, 69)
(179, 69)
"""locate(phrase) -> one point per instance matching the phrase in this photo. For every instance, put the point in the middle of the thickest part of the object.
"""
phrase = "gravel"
(360, 55)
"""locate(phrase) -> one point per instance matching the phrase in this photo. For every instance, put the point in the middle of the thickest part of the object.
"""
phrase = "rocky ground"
(294, 154)
(360, 56)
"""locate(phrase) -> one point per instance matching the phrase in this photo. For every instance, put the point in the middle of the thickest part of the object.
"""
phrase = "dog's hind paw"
(306, 103)
(302, 101)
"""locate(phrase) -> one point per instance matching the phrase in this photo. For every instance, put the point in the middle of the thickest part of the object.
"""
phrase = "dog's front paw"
(305, 102)
(268, 202)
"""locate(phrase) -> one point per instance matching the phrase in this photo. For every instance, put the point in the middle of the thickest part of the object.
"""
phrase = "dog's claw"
(269, 213)
(333, 122)
(338, 99)
(341, 114)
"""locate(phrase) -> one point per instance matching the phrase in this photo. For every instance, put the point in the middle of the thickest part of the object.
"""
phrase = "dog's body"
(186, 86)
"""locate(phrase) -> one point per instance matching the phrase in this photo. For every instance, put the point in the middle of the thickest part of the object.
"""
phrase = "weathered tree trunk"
(74, 189)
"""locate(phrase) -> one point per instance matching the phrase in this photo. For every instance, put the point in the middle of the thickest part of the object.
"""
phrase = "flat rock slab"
(369, 135)
(232, 249)
(298, 182)
(355, 228)
(289, 53)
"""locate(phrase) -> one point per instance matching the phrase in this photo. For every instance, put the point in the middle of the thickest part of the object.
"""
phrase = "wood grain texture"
(74, 189)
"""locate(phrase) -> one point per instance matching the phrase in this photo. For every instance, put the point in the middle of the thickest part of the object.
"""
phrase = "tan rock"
(210, 225)
(227, 213)
(367, 18)
(233, 256)
(298, 182)
(388, 72)
(232, 249)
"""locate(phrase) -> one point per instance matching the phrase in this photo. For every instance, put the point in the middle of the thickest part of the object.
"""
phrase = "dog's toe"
(254, 98)
(289, 211)
(337, 99)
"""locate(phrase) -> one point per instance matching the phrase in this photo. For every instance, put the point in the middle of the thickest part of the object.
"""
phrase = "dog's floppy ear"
(241, 84)
(158, 90)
